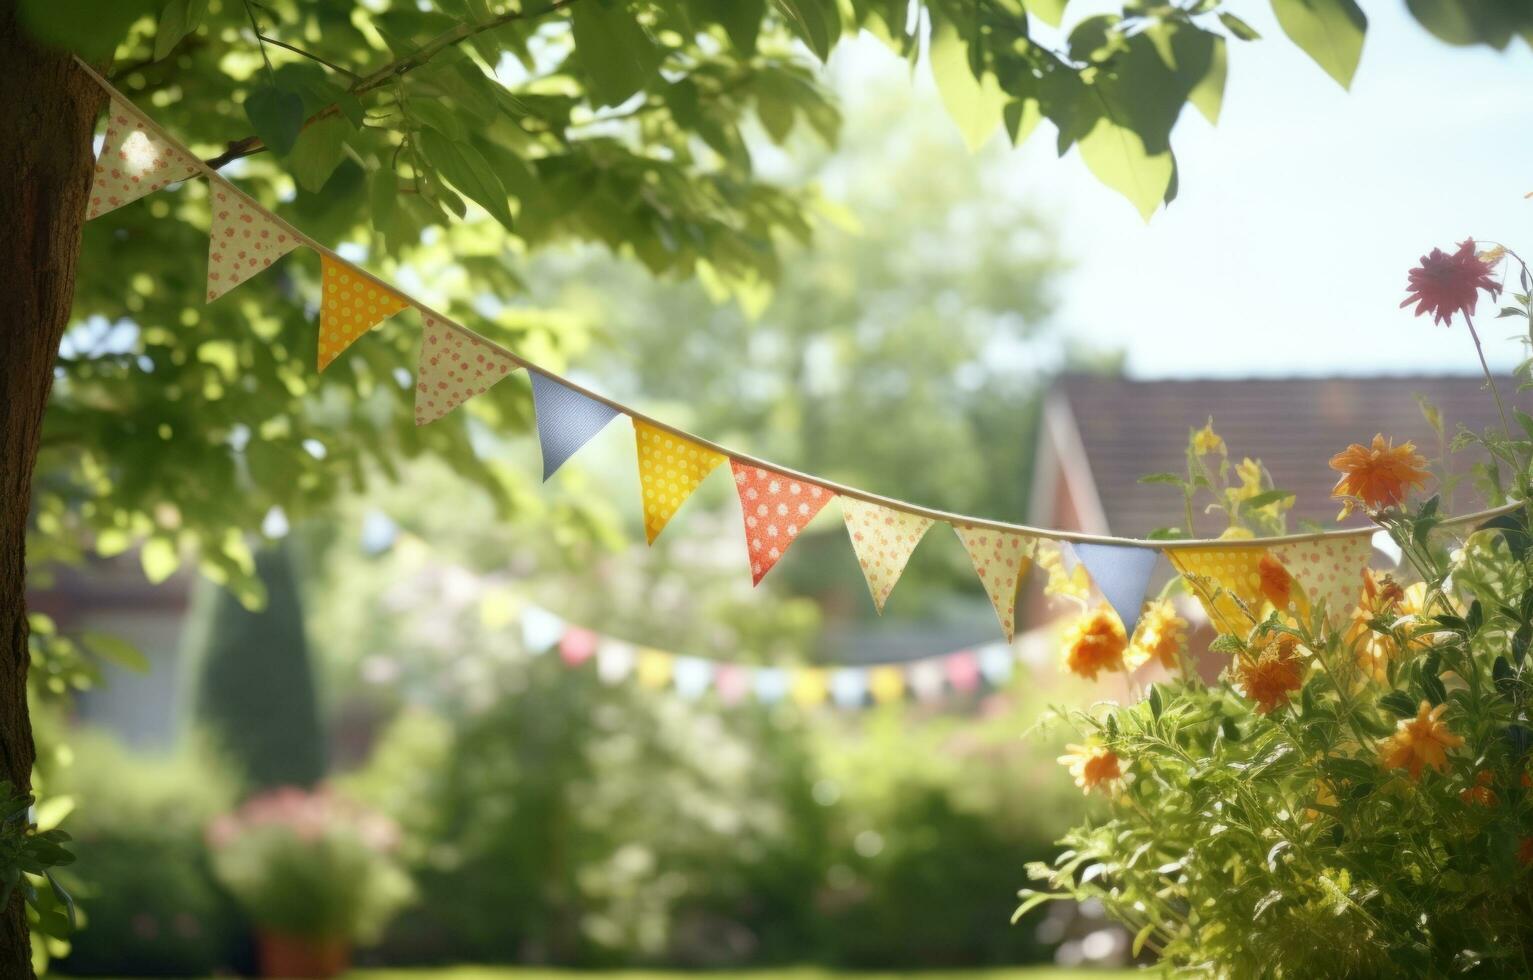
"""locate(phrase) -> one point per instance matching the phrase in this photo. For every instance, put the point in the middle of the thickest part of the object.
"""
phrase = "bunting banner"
(134, 161)
(138, 157)
(1121, 574)
(884, 540)
(614, 661)
(670, 468)
(350, 304)
(1000, 559)
(453, 367)
(887, 684)
(1330, 570)
(775, 508)
(654, 668)
(809, 687)
(567, 419)
(242, 241)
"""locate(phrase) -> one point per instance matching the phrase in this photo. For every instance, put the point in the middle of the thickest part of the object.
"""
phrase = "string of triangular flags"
(848, 686)
(1230, 578)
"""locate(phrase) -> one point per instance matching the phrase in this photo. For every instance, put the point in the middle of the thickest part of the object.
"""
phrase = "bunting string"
(139, 157)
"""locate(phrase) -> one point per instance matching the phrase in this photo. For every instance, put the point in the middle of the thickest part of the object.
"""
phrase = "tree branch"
(252, 144)
(310, 55)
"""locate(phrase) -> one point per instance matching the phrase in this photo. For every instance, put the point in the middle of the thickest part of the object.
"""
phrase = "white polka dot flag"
(134, 161)
(454, 366)
(670, 468)
(775, 508)
(1000, 558)
(350, 304)
(242, 240)
(883, 540)
(1330, 570)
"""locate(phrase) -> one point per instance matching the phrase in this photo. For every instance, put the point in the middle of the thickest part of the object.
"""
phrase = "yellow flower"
(1270, 671)
(1206, 440)
(1493, 255)
(1095, 642)
(1420, 742)
(1381, 599)
(1075, 583)
(1093, 766)
(1379, 475)
(1161, 636)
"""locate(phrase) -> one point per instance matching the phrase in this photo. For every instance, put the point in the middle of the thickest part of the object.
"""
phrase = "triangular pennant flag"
(732, 682)
(654, 668)
(614, 661)
(242, 240)
(887, 684)
(883, 540)
(1330, 570)
(692, 675)
(999, 558)
(350, 304)
(775, 508)
(541, 629)
(1121, 574)
(670, 468)
(134, 161)
(809, 686)
(567, 419)
(926, 680)
(770, 684)
(849, 687)
(1224, 580)
(577, 646)
(996, 663)
(454, 366)
(963, 671)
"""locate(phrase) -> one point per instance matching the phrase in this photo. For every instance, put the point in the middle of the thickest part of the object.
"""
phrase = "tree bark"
(47, 114)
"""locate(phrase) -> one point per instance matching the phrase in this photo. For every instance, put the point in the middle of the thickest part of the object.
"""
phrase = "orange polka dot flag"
(242, 239)
(1219, 576)
(454, 366)
(670, 468)
(775, 509)
(883, 540)
(1330, 570)
(134, 161)
(1000, 558)
(350, 304)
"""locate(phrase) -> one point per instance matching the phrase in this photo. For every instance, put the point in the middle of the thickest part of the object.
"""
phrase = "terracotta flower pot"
(305, 957)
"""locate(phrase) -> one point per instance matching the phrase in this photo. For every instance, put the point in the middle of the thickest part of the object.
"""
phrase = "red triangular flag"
(776, 508)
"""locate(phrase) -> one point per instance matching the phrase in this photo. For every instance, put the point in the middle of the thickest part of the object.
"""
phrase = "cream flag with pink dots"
(454, 366)
(350, 304)
(134, 161)
(242, 241)
(670, 468)
(1329, 569)
(775, 508)
(883, 539)
(1000, 558)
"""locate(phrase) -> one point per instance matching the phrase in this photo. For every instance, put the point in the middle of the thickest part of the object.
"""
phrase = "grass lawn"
(790, 973)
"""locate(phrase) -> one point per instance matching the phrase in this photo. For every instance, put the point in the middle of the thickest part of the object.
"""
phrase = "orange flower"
(1160, 636)
(1377, 475)
(1095, 642)
(1269, 672)
(1276, 583)
(1420, 742)
(1525, 851)
(1381, 598)
(1093, 766)
(1479, 792)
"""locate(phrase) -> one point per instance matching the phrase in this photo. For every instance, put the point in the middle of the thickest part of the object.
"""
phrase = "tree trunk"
(47, 114)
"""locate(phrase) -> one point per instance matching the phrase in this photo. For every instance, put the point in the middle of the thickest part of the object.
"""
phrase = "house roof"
(1128, 429)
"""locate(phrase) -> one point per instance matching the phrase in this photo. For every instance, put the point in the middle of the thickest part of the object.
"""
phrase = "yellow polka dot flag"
(883, 539)
(670, 468)
(1218, 576)
(1000, 558)
(350, 305)
(1330, 570)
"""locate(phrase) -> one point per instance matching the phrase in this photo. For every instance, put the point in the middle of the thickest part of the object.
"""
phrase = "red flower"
(1446, 284)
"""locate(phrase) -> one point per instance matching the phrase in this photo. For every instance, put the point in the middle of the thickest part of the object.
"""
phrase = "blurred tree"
(615, 122)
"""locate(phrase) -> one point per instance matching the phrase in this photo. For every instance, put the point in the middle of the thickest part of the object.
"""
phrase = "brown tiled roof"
(1294, 425)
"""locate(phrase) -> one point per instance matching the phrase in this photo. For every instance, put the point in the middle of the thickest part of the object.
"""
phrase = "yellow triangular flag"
(351, 304)
(1220, 576)
(887, 684)
(670, 468)
(1000, 558)
(810, 687)
(883, 540)
(654, 668)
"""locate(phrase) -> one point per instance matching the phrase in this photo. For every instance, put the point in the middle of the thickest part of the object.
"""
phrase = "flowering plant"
(1340, 786)
(310, 864)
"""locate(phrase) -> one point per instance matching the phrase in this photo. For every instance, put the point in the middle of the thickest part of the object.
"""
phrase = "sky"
(1298, 216)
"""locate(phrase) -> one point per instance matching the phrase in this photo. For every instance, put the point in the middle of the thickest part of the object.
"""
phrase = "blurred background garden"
(299, 669)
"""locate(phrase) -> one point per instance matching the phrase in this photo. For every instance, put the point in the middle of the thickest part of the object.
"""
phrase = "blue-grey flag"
(1121, 574)
(566, 419)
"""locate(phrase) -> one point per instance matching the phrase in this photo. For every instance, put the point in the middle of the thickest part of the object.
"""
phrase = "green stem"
(1484, 365)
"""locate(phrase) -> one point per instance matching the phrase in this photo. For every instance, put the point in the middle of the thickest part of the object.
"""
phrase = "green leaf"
(1207, 94)
(1051, 12)
(320, 149)
(1172, 479)
(1238, 27)
(1263, 499)
(613, 49)
(1118, 158)
(276, 115)
(1329, 31)
(467, 170)
(117, 650)
(1398, 703)
(89, 28)
(177, 20)
(974, 104)
(1022, 116)
(807, 19)
(741, 20)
